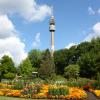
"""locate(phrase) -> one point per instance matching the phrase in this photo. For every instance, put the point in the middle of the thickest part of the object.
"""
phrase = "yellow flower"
(97, 93)
(1, 93)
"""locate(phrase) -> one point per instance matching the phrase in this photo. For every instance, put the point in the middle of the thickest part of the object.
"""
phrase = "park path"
(91, 96)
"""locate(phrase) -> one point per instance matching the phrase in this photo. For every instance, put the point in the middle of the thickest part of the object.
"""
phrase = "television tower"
(52, 30)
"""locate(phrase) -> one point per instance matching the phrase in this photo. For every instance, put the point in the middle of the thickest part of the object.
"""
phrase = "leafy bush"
(72, 71)
(74, 84)
(38, 81)
(58, 91)
(57, 79)
(96, 84)
(81, 82)
(18, 85)
(98, 78)
(9, 75)
(47, 66)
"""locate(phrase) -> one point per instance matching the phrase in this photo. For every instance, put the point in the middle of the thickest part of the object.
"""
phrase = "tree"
(7, 68)
(97, 62)
(72, 71)
(9, 75)
(47, 67)
(95, 44)
(83, 48)
(72, 55)
(35, 58)
(87, 65)
(25, 69)
(61, 59)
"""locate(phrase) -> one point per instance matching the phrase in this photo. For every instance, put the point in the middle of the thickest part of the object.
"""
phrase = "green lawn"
(13, 98)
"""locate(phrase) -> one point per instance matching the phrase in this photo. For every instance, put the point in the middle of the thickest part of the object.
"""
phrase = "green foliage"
(87, 65)
(18, 85)
(96, 84)
(7, 68)
(73, 55)
(98, 77)
(97, 62)
(47, 67)
(83, 48)
(58, 79)
(46, 54)
(25, 69)
(89, 59)
(72, 71)
(35, 58)
(38, 81)
(81, 82)
(74, 84)
(85, 54)
(9, 75)
(61, 58)
(58, 91)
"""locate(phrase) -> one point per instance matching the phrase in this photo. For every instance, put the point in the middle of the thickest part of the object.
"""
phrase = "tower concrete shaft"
(52, 30)
(52, 44)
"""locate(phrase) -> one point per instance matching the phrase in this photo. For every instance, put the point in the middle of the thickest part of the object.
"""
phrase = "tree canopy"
(35, 57)
(7, 68)
(25, 69)
(47, 67)
(85, 54)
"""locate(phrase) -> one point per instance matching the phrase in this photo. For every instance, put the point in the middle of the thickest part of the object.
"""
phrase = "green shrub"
(78, 83)
(18, 85)
(71, 71)
(37, 80)
(96, 84)
(74, 84)
(58, 91)
(9, 75)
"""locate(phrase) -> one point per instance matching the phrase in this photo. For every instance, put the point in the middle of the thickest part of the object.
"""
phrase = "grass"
(12, 98)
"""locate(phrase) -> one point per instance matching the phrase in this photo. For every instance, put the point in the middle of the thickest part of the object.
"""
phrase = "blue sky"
(72, 22)
(76, 21)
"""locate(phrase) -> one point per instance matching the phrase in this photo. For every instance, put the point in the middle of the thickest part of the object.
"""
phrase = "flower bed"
(45, 92)
(95, 92)
(77, 93)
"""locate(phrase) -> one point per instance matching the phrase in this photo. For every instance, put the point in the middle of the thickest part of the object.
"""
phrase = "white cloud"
(91, 11)
(6, 53)
(96, 27)
(14, 47)
(36, 42)
(70, 45)
(10, 44)
(28, 9)
(95, 32)
(6, 27)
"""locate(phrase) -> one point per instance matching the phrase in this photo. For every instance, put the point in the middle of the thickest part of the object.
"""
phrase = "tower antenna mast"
(51, 10)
